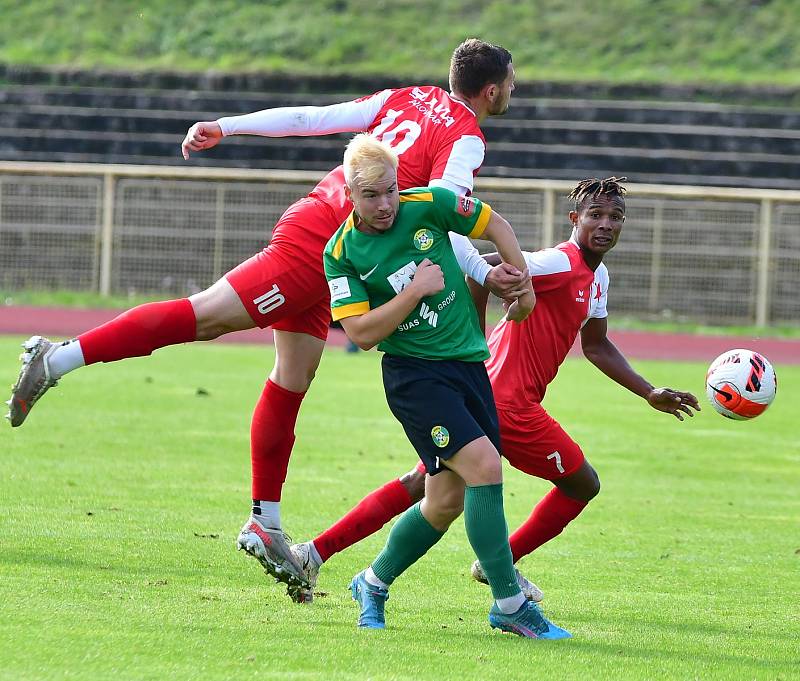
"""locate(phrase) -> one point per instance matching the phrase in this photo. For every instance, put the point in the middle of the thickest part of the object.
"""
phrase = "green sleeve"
(461, 214)
(348, 294)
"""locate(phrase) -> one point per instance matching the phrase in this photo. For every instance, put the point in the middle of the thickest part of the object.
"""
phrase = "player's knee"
(487, 471)
(592, 488)
(414, 482)
(292, 377)
(452, 504)
(443, 509)
(584, 486)
(209, 329)
(218, 311)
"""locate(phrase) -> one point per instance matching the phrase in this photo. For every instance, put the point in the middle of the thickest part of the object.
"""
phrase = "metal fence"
(711, 255)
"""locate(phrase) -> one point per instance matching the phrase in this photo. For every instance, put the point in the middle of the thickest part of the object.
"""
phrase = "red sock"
(551, 515)
(371, 514)
(139, 331)
(272, 439)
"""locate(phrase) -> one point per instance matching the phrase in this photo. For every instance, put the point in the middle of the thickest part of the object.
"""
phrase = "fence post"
(762, 286)
(107, 234)
(656, 254)
(219, 230)
(548, 218)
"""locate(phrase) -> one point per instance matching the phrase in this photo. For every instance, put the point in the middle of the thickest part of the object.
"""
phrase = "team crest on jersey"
(423, 239)
(440, 436)
(465, 205)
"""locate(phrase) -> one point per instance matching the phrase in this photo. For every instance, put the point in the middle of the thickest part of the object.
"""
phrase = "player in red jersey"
(438, 139)
(571, 286)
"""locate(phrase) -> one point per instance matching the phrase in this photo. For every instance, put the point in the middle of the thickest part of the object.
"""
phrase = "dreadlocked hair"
(593, 186)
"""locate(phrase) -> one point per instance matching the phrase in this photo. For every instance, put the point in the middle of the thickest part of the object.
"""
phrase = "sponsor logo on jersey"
(339, 288)
(449, 299)
(428, 315)
(402, 278)
(270, 300)
(465, 205)
(423, 239)
(440, 436)
(427, 104)
(579, 298)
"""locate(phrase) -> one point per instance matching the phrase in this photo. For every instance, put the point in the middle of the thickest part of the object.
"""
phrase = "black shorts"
(442, 405)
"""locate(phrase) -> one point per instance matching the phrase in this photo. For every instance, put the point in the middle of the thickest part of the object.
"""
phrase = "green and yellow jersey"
(364, 271)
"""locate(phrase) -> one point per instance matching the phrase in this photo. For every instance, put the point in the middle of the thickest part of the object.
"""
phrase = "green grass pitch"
(121, 497)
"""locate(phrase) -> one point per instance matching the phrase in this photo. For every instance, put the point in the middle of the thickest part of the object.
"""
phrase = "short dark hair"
(475, 64)
(592, 186)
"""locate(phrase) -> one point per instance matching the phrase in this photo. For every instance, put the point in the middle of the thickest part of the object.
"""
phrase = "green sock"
(409, 540)
(488, 533)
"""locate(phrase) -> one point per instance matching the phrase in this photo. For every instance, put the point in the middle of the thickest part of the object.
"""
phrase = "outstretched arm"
(600, 351)
(303, 121)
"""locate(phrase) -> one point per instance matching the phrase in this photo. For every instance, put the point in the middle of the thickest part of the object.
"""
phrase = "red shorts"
(284, 285)
(535, 443)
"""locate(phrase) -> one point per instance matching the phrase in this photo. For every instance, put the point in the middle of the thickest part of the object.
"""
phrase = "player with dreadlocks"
(571, 286)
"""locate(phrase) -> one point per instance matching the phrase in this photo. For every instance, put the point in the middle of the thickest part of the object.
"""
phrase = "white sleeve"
(469, 260)
(457, 189)
(465, 157)
(546, 261)
(603, 281)
(354, 116)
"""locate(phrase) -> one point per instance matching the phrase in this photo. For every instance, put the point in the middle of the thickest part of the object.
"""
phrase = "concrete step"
(325, 153)
(205, 104)
(279, 82)
(576, 133)
(695, 165)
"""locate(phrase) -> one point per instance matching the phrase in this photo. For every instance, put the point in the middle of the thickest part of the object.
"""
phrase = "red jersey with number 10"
(435, 136)
(526, 355)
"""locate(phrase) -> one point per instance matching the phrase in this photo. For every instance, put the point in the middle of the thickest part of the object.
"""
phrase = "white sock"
(65, 358)
(315, 554)
(269, 512)
(511, 604)
(373, 579)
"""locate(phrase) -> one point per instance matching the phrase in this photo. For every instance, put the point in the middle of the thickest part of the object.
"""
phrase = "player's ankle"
(268, 513)
(314, 554)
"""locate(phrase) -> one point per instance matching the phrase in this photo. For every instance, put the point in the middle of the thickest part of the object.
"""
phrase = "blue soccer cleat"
(528, 622)
(371, 599)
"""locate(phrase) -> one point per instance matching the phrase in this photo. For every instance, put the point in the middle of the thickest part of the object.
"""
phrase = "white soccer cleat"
(528, 588)
(302, 554)
(34, 378)
(270, 547)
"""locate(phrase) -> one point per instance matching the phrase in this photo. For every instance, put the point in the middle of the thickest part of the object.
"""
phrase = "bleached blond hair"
(366, 158)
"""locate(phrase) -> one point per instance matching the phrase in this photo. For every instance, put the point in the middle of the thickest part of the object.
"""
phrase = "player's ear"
(573, 217)
(348, 192)
(490, 91)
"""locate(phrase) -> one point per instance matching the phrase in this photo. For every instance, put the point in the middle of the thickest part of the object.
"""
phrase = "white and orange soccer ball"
(741, 384)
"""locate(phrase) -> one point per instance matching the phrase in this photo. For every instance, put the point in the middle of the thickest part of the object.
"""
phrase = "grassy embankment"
(678, 41)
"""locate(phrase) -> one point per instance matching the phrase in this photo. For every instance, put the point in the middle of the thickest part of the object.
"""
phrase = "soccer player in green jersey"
(395, 283)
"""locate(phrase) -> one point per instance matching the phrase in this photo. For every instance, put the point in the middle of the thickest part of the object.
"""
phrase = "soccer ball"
(741, 384)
